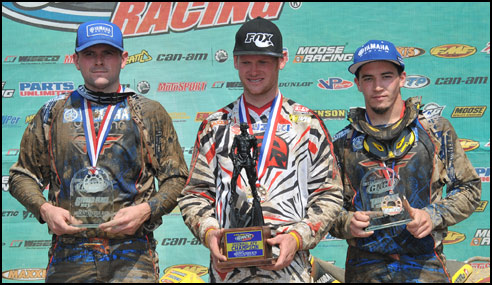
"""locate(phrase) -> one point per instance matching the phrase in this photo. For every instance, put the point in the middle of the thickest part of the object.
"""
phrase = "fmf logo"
(143, 18)
(481, 238)
(453, 51)
(334, 83)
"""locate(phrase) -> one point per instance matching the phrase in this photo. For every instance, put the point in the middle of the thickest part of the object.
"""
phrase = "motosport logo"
(181, 86)
(453, 51)
(141, 18)
(334, 83)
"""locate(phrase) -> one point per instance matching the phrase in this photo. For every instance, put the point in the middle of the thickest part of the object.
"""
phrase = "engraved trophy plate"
(383, 199)
(91, 197)
(246, 247)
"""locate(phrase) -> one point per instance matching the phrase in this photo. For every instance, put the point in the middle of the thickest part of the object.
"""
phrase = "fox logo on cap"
(261, 40)
(258, 37)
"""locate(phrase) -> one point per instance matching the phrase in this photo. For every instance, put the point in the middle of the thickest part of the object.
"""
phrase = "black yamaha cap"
(258, 36)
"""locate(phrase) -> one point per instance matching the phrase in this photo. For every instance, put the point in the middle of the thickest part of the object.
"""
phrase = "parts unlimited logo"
(140, 18)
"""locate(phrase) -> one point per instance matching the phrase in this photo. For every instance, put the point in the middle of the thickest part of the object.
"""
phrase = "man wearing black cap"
(395, 162)
(298, 183)
(100, 148)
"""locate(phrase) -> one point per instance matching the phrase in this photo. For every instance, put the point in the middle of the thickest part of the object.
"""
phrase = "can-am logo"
(141, 18)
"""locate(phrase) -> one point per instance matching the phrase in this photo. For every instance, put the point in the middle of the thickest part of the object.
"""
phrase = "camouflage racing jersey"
(141, 145)
(299, 189)
(434, 161)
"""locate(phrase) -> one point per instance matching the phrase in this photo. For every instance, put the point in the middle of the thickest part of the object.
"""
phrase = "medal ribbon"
(94, 143)
(270, 130)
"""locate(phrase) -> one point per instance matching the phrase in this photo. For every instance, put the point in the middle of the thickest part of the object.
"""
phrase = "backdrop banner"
(180, 54)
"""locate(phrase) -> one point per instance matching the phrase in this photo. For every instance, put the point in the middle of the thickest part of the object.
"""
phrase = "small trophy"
(91, 197)
(385, 201)
(245, 244)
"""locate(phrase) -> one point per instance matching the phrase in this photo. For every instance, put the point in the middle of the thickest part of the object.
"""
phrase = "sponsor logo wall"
(181, 56)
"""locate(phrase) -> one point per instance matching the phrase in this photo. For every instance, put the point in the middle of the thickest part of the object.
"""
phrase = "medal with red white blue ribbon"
(95, 143)
(271, 129)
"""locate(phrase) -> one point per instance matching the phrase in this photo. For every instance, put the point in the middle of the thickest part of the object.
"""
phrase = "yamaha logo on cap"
(99, 30)
(258, 36)
(376, 50)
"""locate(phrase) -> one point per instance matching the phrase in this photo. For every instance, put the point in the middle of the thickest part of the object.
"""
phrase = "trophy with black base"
(383, 199)
(244, 244)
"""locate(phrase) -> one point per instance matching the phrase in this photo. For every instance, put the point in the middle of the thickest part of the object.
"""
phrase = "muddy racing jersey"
(299, 189)
(141, 145)
(435, 160)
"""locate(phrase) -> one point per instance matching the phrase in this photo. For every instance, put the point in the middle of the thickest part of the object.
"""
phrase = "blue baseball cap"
(375, 50)
(98, 32)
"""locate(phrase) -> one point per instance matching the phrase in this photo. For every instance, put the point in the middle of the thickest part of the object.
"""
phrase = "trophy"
(385, 201)
(91, 197)
(244, 244)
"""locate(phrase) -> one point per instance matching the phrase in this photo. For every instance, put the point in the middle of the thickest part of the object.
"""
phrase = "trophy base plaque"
(246, 247)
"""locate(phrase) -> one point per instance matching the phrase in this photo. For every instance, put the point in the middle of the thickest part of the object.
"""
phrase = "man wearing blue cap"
(395, 162)
(100, 148)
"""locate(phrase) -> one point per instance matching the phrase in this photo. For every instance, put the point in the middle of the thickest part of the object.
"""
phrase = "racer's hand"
(288, 247)
(127, 220)
(421, 224)
(212, 241)
(59, 220)
(358, 222)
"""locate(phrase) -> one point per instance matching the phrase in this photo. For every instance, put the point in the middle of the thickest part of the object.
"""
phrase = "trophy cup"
(91, 197)
(385, 201)
(244, 244)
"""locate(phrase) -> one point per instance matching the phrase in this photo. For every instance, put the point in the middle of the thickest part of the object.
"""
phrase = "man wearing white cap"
(395, 162)
(99, 148)
(298, 184)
